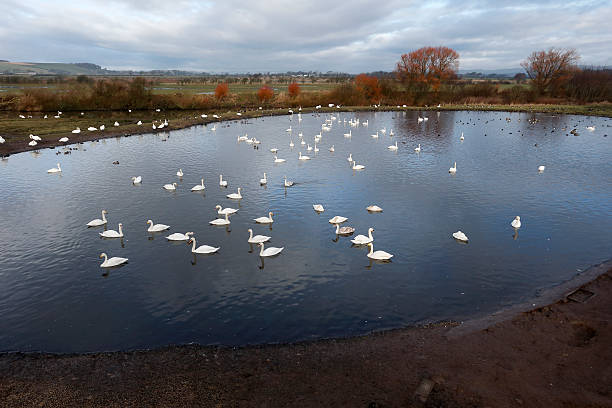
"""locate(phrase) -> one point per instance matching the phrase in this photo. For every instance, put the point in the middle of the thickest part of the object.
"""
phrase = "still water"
(55, 297)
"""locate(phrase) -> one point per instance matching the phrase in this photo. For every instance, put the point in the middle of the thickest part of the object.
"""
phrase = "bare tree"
(549, 70)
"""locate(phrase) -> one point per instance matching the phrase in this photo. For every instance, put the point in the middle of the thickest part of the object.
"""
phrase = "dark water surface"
(55, 297)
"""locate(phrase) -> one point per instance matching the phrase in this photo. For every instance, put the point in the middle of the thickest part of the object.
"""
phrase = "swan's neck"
(370, 235)
(371, 249)
(270, 215)
(193, 247)
(226, 216)
(120, 230)
(337, 228)
(220, 177)
(105, 258)
(103, 216)
(250, 234)
(202, 182)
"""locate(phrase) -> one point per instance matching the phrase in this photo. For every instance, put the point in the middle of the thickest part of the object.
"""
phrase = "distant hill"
(51, 68)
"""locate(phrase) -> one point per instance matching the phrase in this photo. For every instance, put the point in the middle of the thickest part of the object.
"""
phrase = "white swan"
(590, 128)
(291, 144)
(113, 233)
(137, 180)
(139, 123)
(277, 160)
(202, 249)
(97, 222)
(302, 142)
(541, 168)
(221, 221)
(274, 150)
(37, 138)
(344, 230)
(378, 255)
(198, 187)
(288, 183)
(337, 219)
(269, 251)
(102, 127)
(63, 139)
(171, 187)
(462, 138)
(418, 148)
(235, 196)
(516, 222)
(226, 210)
(264, 180)
(179, 173)
(288, 130)
(349, 134)
(309, 147)
(318, 207)
(393, 147)
(116, 123)
(265, 220)
(375, 136)
(453, 169)
(2, 140)
(300, 157)
(460, 236)
(332, 149)
(316, 149)
(257, 238)
(57, 169)
(114, 261)
(357, 166)
(362, 239)
(350, 158)
(222, 183)
(156, 227)
(177, 236)
(92, 128)
(374, 208)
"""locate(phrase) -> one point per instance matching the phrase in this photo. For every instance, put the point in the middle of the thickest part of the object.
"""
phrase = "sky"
(278, 35)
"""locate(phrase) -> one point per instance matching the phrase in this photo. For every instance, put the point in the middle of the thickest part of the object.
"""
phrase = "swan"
(235, 196)
(541, 168)
(92, 128)
(171, 187)
(97, 222)
(33, 143)
(318, 207)
(391, 132)
(288, 183)
(302, 142)
(221, 221)
(269, 251)
(332, 149)
(257, 238)
(362, 239)
(288, 130)
(57, 169)
(309, 148)
(113, 233)
(2, 140)
(378, 255)
(316, 149)
(179, 173)
(77, 130)
(226, 210)
(277, 160)
(263, 180)
(418, 148)
(590, 128)
(393, 147)
(139, 123)
(337, 219)
(37, 138)
(156, 227)
(300, 157)
(374, 208)
(202, 249)
(198, 187)
(114, 261)
(357, 166)
(291, 144)
(462, 138)
(136, 180)
(265, 220)
(460, 236)
(349, 134)
(516, 223)
(375, 136)
(453, 169)
(177, 236)
(154, 127)
(383, 130)
(102, 127)
(63, 139)
(350, 158)
(274, 150)
(222, 183)
(344, 230)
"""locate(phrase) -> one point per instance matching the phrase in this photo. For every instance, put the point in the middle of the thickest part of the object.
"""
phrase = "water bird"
(265, 220)
(362, 239)
(198, 187)
(111, 262)
(337, 219)
(541, 168)
(63, 139)
(274, 150)
(344, 230)
(179, 173)
(139, 123)
(113, 233)
(116, 123)
(202, 249)
(136, 180)
(291, 144)
(277, 160)
(349, 134)
(590, 128)
(374, 208)
(257, 238)
(156, 227)
(516, 222)
(57, 169)
(33, 143)
(357, 166)
(418, 148)
(460, 236)
(77, 130)
(318, 207)
(288, 183)
(222, 183)
(300, 157)
(177, 236)
(235, 196)
(221, 221)
(378, 255)
(332, 149)
(170, 187)
(2, 140)
(272, 251)
(350, 158)
(375, 136)
(34, 137)
(97, 222)
(102, 127)
(92, 128)
(393, 147)
(263, 180)
(462, 138)
(226, 210)
(453, 169)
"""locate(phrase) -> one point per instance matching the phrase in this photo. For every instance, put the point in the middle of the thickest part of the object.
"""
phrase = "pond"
(55, 297)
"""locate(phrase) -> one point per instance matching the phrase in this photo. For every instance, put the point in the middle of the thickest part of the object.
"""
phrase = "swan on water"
(269, 251)
(357, 166)
(344, 230)
(418, 148)
(316, 149)
(462, 138)
(350, 158)
(156, 227)
(179, 173)
(222, 183)
(309, 148)
(318, 207)
(362, 239)
(226, 210)
(235, 196)
(375, 136)
(97, 222)
(221, 221)
(202, 249)
(541, 168)
(460, 236)
(136, 180)
(516, 222)
(337, 220)
(378, 255)
(393, 147)
(590, 128)
(274, 150)
(288, 183)
(263, 180)
(453, 169)
(257, 238)
(113, 233)
(291, 144)
(110, 262)
(300, 157)
(177, 236)
(374, 208)
(198, 187)
(349, 134)
(57, 169)
(265, 220)
(171, 187)
(332, 149)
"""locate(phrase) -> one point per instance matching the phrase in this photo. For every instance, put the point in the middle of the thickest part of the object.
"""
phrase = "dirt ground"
(559, 355)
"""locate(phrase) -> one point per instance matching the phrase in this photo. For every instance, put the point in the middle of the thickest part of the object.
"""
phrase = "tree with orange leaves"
(221, 91)
(428, 67)
(265, 93)
(549, 70)
(369, 87)
(294, 89)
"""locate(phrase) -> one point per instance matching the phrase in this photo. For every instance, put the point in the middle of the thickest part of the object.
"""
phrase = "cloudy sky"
(278, 35)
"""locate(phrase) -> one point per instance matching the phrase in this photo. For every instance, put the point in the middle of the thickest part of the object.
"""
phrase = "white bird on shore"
(57, 169)
(156, 227)
(97, 222)
(378, 255)
(198, 187)
(113, 233)
(111, 262)
(77, 130)
(116, 123)
(202, 249)
(453, 169)
(34, 137)
(263, 180)
(63, 139)
(32, 143)
(272, 251)
(265, 220)
(170, 187)
(136, 180)
(318, 208)
(221, 221)
(337, 219)
(177, 236)
(235, 196)
(139, 123)
(2, 140)
(222, 183)
(91, 128)
(516, 222)
(102, 127)
(257, 238)
(362, 239)
(460, 236)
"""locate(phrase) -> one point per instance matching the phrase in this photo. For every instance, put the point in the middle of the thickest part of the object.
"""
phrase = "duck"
(226, 210)
(344, 230)
(357, 166)
(318, 208)
(453, 169)
(362, 239)
(156, 227)
(378, 255)
(263, 180)
(170, 187)
(222, 183)
(337, 219)
(332, 149)
(541, 168)
(221, 221)
(272, 251)
(111, 262)
(235, 196)
(374, 208)
(202, 249)
(418, 148)
(177, 236)
(63, 139)
(97, 222)
(288, 183)
(257, 238)
(265, 220)
(516, 222)
(198, 187)
(137, 180)
(57, 169)
(300, 157)
(179, 173)
(277, 160)
(113, 233)
(393, 147)
(460, 236)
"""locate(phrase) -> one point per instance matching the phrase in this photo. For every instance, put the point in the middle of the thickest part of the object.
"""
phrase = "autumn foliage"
(369, 87)
(265, 93)
(428, 67)
(550, 70)
(294, 89)
(222, 90)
